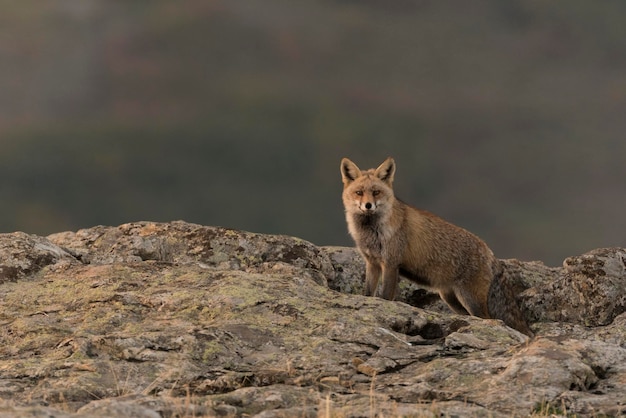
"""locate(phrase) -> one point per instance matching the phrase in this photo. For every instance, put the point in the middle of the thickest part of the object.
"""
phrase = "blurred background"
(505, 117)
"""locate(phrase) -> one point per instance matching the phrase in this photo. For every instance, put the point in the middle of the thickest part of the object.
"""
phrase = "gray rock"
(126, 406)
(176, 319)
(589, 290)
(23, 255)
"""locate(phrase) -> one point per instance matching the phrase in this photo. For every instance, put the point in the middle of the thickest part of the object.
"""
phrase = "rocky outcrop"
(176, 319)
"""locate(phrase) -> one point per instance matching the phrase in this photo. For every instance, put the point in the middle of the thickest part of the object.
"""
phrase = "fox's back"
(442, 252)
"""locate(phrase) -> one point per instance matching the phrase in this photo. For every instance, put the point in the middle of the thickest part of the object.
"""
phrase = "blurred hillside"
(506, 118)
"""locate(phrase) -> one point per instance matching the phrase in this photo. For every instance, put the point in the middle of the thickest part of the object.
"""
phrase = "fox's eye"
(359, 192)
(375, 192)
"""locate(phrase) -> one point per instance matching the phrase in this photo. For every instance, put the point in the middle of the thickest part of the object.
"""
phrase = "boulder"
(589, 290)
(23, 255)
(176, 319)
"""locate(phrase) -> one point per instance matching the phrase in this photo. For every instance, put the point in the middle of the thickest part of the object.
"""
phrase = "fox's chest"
(371, 245)
(371, 238)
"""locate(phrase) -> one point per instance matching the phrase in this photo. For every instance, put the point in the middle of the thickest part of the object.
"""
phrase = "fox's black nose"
(368, 206)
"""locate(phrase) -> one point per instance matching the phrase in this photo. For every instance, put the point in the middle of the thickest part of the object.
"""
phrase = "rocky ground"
(182, 320)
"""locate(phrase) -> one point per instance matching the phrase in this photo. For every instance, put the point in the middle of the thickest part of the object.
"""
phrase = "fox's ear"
(349, 171)
(386, 170)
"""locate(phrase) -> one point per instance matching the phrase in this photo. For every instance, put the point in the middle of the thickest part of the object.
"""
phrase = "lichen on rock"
(177, 319)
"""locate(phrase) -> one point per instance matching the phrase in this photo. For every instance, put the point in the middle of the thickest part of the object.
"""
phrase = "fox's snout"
(367, 206)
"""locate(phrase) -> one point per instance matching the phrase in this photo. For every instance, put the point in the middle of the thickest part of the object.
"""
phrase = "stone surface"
(22, 255)
(590, 290)
(176, 319)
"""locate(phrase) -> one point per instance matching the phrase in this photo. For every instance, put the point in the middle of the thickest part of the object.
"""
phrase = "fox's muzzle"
(367, 207)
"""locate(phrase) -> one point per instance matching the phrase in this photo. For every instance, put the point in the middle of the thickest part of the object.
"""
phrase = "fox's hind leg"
(450, 298)
(475, 303)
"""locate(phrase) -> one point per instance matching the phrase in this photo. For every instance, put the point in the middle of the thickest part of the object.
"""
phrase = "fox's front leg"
(390, 281)
(372, 275)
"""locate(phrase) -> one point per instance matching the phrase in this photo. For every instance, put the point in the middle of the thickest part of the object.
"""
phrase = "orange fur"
(396, 239)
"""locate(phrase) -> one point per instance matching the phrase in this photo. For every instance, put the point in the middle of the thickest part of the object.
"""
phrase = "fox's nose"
(368, 206)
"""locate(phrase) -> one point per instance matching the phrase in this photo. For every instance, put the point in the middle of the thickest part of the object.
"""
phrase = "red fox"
(396, 239)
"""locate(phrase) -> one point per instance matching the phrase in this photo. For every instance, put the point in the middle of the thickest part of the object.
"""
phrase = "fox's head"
(367, 192)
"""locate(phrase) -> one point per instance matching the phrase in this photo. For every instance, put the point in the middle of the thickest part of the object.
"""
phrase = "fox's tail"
(502, 302)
